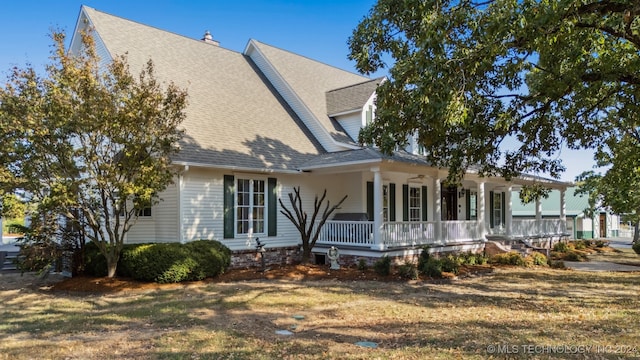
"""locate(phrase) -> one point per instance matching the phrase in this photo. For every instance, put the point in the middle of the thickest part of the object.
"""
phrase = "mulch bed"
(282, 272)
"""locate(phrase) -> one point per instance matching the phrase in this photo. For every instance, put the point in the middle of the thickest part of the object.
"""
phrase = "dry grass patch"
(619, 256)
(238, 320)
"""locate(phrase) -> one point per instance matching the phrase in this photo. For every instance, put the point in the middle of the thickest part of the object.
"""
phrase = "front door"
(603, 225)
(449, 203)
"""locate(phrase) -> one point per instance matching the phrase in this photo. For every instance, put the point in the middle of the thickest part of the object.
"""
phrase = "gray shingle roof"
(351, 97)
(234, 117)
(311, 80)
(361, 155)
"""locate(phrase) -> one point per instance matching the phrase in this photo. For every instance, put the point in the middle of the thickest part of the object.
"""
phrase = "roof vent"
(209, 39)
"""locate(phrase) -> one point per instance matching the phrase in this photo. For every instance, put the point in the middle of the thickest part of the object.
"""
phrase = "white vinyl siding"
(351, 123)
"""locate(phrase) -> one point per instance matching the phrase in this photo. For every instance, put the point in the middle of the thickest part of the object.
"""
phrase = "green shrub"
(601, 243)
(212, 258)
(561, 247)
(95, 264)
(481, 259)
(469, 259)
(362, 264)
(431, 267)
(557, 264)
(408, 271)
(573, 256)
(581, 244)
(424, 257)
(164, 263)
(450, 264)
(510, 258)
(382, 266)
(636, 247)
(536, 259)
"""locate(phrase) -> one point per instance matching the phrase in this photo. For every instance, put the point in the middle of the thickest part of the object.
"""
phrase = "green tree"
(90, 143)
(465, 77)
(12, 207)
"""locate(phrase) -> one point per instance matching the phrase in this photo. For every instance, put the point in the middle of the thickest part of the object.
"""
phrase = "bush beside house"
(164, 262)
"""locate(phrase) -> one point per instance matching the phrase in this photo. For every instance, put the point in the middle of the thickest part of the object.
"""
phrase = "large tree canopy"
(467, 76)
(89, 143)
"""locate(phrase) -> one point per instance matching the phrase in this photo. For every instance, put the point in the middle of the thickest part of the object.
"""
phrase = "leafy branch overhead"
(502, 85)
(309, 229)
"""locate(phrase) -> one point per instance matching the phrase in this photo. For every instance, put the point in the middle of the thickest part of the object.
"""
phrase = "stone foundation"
(244, 259)
(354, 260)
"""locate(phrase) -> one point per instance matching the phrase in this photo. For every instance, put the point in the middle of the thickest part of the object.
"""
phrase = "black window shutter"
(272, 202)
(424, 203)
(228, 214)
(491, 209)
(468, 204)
(405, 202)
(370, 200)
(392, 202)
(504, 210)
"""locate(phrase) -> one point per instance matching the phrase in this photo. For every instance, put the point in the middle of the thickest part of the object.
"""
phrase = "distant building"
(604, 225)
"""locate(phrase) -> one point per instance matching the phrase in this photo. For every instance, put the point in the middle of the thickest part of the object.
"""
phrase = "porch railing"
(528, 227)
(460, 231)
(408, 233)
(360, 233)
(355, 233)
(404, 233)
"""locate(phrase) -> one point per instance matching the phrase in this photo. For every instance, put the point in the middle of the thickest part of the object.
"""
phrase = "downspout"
(180, 206)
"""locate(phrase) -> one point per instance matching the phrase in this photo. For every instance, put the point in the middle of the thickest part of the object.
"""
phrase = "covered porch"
(405, 204)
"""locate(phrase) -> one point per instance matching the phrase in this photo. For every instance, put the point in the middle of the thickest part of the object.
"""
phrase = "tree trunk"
(112, 265)
(636, 235)
(306, 252)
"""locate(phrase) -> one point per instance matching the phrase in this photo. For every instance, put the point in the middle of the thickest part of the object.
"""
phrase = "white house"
(266, 120)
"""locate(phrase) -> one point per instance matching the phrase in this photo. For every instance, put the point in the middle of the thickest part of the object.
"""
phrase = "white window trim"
(251, 179)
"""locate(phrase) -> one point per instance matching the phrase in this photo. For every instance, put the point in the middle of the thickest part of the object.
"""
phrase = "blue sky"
(316, 29)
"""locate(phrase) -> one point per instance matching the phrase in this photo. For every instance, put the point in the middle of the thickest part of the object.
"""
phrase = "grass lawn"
(511, 313)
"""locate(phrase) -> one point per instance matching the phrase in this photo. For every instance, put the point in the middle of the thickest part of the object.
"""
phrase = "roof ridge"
(356, 84)
(159, 29)
(310, 59)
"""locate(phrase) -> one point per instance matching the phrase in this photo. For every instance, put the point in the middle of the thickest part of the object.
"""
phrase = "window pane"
(385, 203)
(473, 201)
(258, 226)
(414, 204)
(258, 186)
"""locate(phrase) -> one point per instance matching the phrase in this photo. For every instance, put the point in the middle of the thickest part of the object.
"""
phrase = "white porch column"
(563, 209)
(508, 218)
(482, 228)
(539, 216)
(377, 208)
(437, 207)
